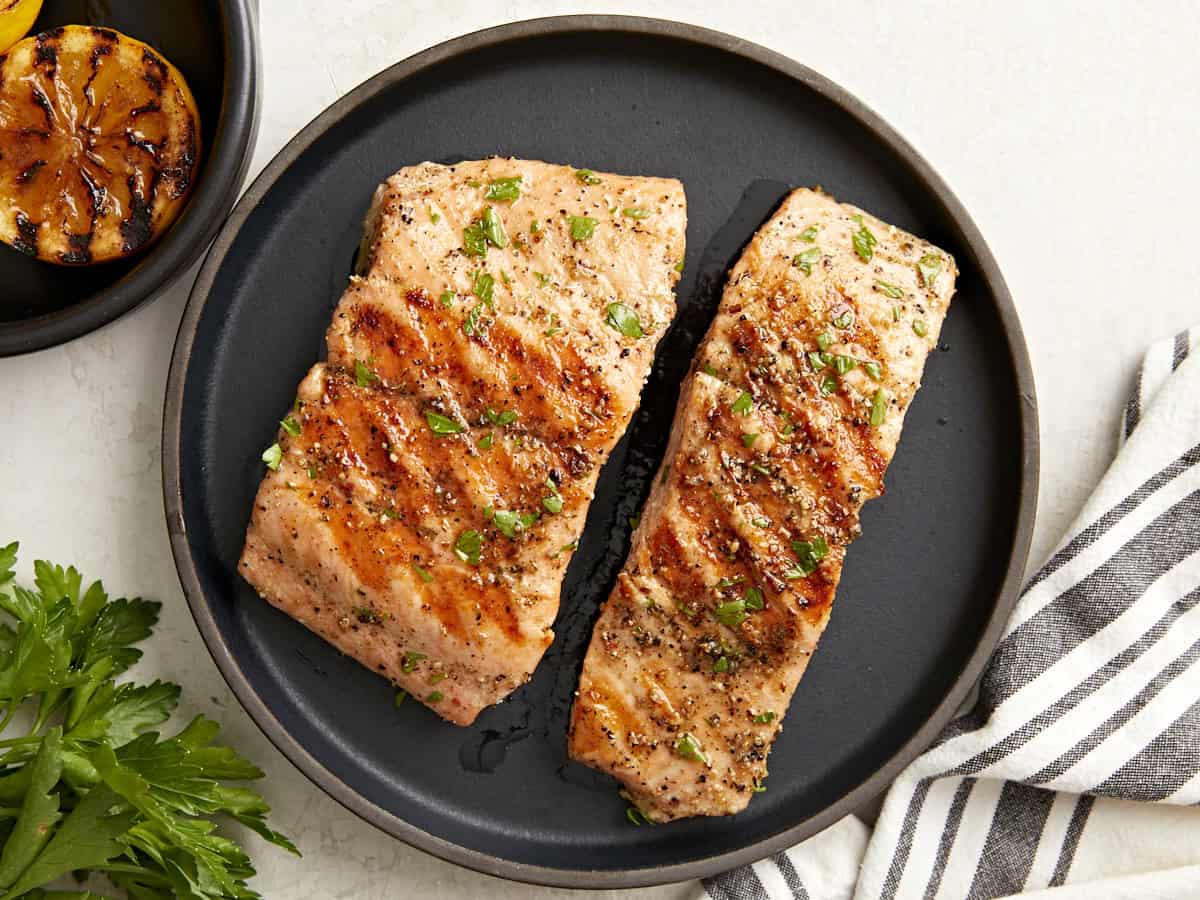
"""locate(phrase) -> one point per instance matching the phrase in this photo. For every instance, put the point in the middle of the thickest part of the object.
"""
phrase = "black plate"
(214, 44)
(925, 590)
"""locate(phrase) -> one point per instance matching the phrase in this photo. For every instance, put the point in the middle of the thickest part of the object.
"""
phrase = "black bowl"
(215, 44)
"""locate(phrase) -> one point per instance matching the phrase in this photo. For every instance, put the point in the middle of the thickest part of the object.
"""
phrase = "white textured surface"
(1067, 129)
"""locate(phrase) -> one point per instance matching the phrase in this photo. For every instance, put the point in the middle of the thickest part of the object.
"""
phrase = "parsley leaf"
(587, 176)
(142, 809)
(504, 188)
(469, 547)
(806, 259)
(621, 318)
(363, 376)
(443, 425)
(582, 227)
(273, 456)
(864, 242)
(743, 404)
(929, 267)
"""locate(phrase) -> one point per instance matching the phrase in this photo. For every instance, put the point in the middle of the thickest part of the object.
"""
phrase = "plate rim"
(392, 824)
(205, 214)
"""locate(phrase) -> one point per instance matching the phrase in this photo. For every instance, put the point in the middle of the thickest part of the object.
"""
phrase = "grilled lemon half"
(16, 18)
(99, 145)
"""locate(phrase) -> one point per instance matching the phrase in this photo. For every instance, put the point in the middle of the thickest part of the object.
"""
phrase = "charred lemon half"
(99, 145)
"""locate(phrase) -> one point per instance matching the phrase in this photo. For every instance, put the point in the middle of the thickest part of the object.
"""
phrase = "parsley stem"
(17, 742)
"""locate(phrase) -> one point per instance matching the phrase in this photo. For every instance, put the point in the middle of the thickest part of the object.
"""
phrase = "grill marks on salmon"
(436, 559)
(785, 427)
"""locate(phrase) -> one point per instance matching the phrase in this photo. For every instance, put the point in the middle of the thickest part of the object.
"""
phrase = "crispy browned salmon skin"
(436, 471)
(786, 423)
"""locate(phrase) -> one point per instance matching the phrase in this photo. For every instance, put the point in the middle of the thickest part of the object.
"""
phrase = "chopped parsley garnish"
(810, 233)
(437, 678)
(621, 318)
(864, 242)
(503, 419)
(443, 425)
(291, 426)
(708, 369)
(554, 501)
(929, 267)
(363, 376)
(844, 364)
(506, 278)
(447, 299)
(873, 369)
(471, 182)
(895, 314)
(582, 227)
(764, 718)
(434, 216)
(535, 227)
(721, 665)
(878, 408)
(637, 817)
(634, 212)
(408, 661)
(435, 697)
(272, 456)
(743, 404)
(760, 468)
(808, 556)
(401, 696)
(483, 286)
(754, 598)
(587, 176)
(758, 787)
(679, 265)
(731, 612)
(689, 748)
(510, 523)
(749, 439)
(425, 576)
(485, 442)
(844, 319)
(828, 385)
(919, 328)
(572, 546)
(824, 340)
(542, 277)
(889, 290)
(474, 240)
(806, 259)
(634, 522)
(493, 228)
(762, 523)
(504, 188)
(471, 324)
(819, 360)
(469, 546)
(554, 326)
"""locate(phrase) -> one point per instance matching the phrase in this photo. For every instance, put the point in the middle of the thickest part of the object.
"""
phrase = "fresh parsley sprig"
(93, 787)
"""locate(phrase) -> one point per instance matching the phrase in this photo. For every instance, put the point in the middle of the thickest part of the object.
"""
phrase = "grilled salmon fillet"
(785, 426)
(436, 470)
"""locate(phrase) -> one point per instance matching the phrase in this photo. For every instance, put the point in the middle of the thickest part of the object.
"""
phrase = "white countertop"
(1067, 129)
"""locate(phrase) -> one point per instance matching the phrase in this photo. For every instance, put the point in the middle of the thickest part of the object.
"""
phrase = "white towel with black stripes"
(1077, 774)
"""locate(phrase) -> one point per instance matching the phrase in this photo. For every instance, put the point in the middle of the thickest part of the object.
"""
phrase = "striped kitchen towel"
(1093, 693)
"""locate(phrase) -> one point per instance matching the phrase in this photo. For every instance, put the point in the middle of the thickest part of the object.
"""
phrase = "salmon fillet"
(784, 428)
(436, 471)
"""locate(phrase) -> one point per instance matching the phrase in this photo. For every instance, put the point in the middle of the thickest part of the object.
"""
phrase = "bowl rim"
(329, 781)
(228, 160)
